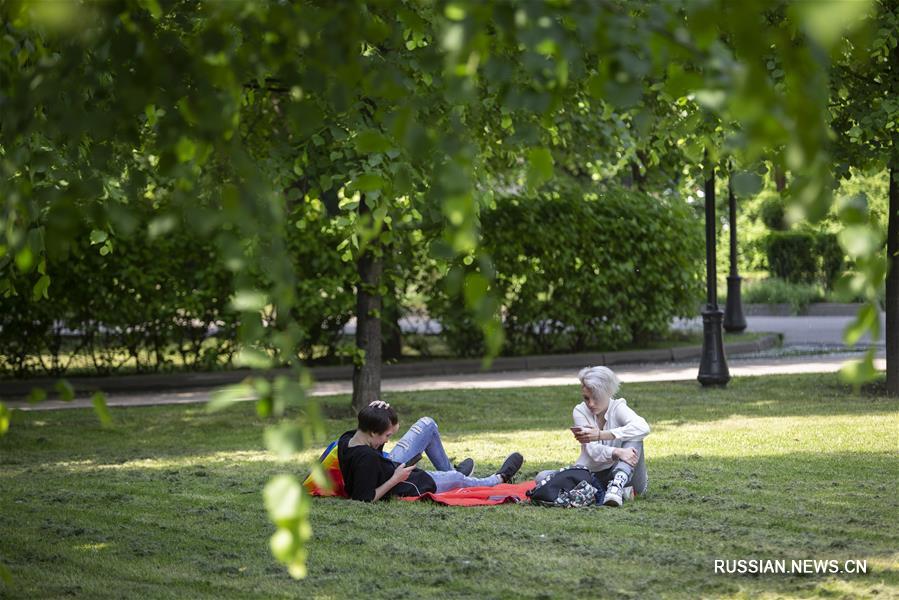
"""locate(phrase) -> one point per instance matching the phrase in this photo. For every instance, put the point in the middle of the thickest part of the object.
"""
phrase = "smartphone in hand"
(575, 430)
(413, 461)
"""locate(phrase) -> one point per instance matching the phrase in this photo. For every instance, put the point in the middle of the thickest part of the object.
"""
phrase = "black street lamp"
(713, 366)
(734, 321)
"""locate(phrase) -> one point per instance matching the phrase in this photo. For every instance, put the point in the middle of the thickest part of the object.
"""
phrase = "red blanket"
(479, 496)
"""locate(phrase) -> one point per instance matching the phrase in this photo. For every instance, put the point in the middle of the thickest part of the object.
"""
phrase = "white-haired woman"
(611, 435)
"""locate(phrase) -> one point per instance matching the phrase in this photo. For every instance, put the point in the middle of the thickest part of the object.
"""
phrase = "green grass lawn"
(168, 503)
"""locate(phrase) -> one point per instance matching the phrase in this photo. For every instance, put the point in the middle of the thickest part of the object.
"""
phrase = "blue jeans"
(424, 437)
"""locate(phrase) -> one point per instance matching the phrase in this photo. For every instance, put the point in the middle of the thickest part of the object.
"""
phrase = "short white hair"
(601, 381)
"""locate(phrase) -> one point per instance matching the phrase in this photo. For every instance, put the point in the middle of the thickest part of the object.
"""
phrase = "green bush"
(325, 283)
(805, 257)
(791, 256)
(152, 304)
(772, 213)
(832, 258)
(778, 291)
(577, 272)
(147, 303)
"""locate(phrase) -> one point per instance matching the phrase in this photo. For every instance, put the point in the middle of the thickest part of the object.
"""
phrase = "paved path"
(797, 331)
(809, 330)
(764, 365)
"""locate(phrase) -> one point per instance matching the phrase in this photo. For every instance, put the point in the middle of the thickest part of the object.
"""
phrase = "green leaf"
(150, 112)
(98, 236)
(252, 358)
(291, 393)
(853, 209)
(284, 439)
(454, 11)
(867, 321)
(161, 225)
(24, 259)
(711, 99)
(475, 288)
(5, 573)
(859, 241)
(370, 141)
(40, 288)
(249, 300)
(540, 166)
(284, 500)
(746, 183)
(5, 416)
(152, 7)
(859, 371)
(284, 543)
(186, 149)
(226, 396)
(36, 395)
(65, 390)
(369, 182)
(320, 478)
(100, 408)
(679, 82)
(623, 94)
(827, 20)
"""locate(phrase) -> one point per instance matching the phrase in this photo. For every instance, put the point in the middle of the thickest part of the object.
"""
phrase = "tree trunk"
(392, 344)
(367, 376)
(892, 295)
(780, 179)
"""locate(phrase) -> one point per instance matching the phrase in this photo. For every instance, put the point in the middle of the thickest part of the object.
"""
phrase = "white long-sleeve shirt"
(621, 421)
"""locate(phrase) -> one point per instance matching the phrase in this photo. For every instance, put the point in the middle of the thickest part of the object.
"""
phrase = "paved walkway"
(802, 335)
(739, 367)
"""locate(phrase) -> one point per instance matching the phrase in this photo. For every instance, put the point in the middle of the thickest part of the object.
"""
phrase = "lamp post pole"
(734, 321)
(713, 365)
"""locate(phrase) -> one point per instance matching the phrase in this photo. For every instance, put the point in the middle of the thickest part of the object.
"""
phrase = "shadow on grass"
(698, 510)
(207, 532)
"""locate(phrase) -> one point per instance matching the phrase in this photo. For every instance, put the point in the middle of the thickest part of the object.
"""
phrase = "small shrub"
(778, 291)
(791, 256)
(831, 256)
(772, 214)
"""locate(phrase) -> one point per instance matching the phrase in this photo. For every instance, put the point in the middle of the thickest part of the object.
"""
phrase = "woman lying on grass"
(611, 436)
(369, 474)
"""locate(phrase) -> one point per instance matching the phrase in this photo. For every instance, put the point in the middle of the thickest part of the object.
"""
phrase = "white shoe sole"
(612, 500)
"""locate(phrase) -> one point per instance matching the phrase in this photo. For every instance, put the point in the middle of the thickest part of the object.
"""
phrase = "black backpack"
(548, 491)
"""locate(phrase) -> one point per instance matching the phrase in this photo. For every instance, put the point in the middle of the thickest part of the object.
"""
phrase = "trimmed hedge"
(804, 257)
(791, 256)
(578, 271)
(152, 304)
(147, 303)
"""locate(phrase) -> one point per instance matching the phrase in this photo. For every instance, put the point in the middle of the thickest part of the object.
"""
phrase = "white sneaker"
(613, 495)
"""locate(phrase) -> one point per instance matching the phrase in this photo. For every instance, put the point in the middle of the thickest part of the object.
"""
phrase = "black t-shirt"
(364, 469)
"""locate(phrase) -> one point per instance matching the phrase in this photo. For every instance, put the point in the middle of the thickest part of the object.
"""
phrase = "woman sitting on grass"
(369, 474)
(611, 436)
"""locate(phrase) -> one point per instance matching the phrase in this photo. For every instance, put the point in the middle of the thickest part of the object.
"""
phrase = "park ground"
(167, 503)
